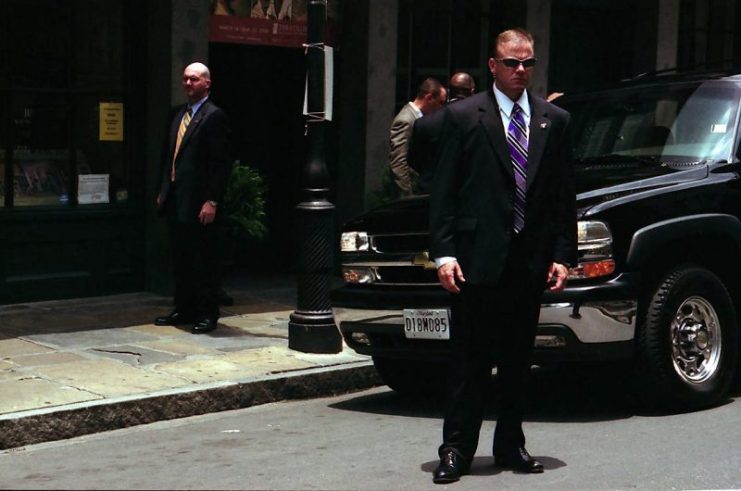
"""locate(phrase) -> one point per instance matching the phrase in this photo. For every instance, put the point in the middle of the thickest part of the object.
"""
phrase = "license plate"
(426, 324)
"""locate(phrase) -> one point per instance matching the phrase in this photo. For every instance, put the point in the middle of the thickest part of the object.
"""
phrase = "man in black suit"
(503, 228)
(195, 169)
(423, 144)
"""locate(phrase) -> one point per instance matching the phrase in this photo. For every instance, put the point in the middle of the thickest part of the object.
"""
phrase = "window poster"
(111, 121)
(263, 22)
(93, 188)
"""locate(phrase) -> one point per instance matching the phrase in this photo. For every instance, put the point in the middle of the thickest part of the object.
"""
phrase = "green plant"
(244, 202)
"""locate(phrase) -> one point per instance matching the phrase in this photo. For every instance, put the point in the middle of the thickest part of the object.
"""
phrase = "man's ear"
(493, 66)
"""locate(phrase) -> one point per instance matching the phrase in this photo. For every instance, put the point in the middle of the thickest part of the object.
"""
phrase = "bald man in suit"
(195, 170)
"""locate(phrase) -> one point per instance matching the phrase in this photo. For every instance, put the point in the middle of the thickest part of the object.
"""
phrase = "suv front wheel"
(687, 341)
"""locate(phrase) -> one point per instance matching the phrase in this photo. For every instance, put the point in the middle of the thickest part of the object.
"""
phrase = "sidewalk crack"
(120, 352)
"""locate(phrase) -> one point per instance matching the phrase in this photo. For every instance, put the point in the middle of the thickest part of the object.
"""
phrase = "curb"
(44, 425)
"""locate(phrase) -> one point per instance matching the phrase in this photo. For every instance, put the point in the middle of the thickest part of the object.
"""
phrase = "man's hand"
(207, 214)
(557, 275)
(448, 273)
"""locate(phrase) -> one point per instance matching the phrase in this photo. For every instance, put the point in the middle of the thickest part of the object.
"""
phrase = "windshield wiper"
(615, 158)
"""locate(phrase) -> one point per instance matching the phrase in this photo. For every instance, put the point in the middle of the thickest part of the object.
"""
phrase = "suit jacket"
(471, 206)
(203, 163)
(401, 130)
(423, 148)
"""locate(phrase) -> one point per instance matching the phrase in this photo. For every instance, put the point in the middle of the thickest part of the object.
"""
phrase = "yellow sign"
(111, 121)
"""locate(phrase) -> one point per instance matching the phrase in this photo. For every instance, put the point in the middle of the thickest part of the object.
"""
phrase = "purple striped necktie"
(517, 142)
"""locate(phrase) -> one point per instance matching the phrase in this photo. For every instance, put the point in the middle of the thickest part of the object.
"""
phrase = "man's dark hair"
(430, 85)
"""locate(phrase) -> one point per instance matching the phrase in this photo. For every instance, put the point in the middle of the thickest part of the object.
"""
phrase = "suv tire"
(412, 377)
(686, 341)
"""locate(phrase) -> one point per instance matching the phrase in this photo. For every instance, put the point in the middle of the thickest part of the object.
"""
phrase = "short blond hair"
(516, 35)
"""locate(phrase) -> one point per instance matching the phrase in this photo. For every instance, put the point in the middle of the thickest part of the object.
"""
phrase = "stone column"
(381, 95)
(189, 40)
(667, 34)
(539, 25)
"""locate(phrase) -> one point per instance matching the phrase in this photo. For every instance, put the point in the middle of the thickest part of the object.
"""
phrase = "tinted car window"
(687, 123)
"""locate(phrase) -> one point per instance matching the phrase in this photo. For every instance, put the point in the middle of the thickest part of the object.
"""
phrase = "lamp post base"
(314, 333)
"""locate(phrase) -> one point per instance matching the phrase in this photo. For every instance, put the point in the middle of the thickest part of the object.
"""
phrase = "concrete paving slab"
(179, 346)
(135, 355)
(270, 318)
(274, 359)
(40, 319)
(45, 359)
(159, 331)
(32, 393)
(203, 371)
(110, 378)
(256, 327)
(226, 338)
(12, 374)
(90, 339)
(346, 356)
(14, 347)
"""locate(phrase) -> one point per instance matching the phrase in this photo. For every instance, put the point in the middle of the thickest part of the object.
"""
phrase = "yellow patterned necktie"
(181, 132)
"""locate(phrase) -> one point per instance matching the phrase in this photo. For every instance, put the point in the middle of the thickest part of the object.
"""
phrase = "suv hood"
(597, 185)
(603, 182)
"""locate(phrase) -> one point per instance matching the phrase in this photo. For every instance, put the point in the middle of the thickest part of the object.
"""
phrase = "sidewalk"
(73, 367)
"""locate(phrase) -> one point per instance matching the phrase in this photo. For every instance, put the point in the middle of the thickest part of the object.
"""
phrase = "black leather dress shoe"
(175, 318)
(204, 325)
(518, 460)
(450, 469)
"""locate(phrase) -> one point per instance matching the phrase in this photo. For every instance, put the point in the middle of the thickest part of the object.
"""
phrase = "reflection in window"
(684, 123)
(40, 153)
(65, 59)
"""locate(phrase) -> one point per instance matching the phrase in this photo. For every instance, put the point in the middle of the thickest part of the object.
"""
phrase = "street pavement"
(74, 367)
(588, 436)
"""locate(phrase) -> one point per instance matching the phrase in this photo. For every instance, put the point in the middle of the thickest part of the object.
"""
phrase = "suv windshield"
(655, 125)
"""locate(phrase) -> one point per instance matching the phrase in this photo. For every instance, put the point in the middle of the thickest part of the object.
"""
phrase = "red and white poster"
(262, 22)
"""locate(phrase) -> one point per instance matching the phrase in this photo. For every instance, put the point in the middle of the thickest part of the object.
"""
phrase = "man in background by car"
(423, 143)
(431, 95)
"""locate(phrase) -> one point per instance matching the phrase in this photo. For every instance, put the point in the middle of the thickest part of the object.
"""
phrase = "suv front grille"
(400, 244)
(400, 275)
(396, 259)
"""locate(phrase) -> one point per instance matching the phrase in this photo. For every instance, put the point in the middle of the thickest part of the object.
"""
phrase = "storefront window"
(40, 151)
(63, 126)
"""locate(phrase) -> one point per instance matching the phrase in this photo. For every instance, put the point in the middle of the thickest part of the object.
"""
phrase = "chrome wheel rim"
(696, 340)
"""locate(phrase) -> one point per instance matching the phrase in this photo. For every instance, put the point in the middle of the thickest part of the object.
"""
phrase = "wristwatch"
(212, 203)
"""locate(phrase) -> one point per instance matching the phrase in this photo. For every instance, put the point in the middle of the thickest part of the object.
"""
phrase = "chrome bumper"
(591, 322)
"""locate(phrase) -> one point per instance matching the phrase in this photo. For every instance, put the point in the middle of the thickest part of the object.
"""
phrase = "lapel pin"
(543, 126)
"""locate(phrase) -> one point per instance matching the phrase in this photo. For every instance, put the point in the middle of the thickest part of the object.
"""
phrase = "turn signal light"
(592, 270)
(358, 275)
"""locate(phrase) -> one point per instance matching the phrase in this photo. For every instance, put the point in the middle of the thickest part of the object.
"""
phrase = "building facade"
(86, 86)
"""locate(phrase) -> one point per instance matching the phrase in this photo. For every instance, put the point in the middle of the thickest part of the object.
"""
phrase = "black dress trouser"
(196, 267)
(491, 325)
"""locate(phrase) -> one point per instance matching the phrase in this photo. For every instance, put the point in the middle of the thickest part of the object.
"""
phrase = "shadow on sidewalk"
(253, 294)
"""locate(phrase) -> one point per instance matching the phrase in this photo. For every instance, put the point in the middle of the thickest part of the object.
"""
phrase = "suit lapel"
(195, 123)
(492, 124)
(193, 126)
(540, 126)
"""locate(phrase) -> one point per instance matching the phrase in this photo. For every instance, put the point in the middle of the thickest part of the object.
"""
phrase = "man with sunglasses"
(503, 229)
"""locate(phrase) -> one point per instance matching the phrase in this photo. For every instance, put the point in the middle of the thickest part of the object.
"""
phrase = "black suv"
(659, 277)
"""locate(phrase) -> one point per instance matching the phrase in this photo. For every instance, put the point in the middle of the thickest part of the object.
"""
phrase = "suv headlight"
(595, 251)
(354, 241)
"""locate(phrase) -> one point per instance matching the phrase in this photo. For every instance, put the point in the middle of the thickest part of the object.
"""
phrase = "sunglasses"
(514, 62)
